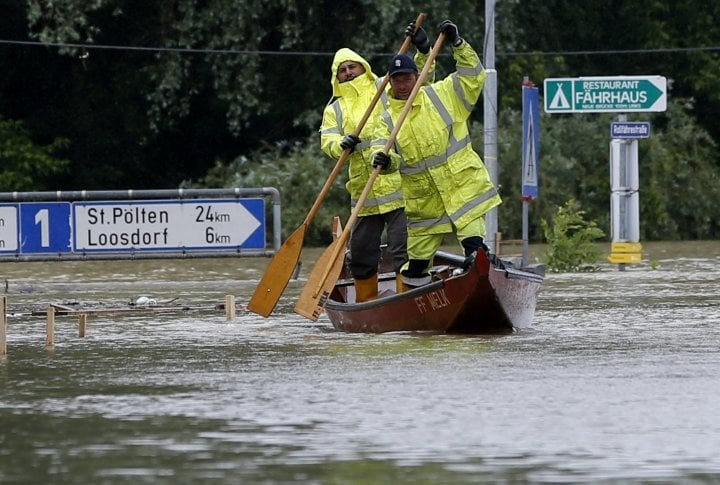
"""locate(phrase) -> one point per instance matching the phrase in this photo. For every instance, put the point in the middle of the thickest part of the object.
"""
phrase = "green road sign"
(605, 94)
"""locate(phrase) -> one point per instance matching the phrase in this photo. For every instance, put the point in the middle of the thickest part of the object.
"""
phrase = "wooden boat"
(485, 298)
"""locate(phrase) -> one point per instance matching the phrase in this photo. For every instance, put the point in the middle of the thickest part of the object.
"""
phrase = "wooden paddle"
(281, 267)
(327, 268)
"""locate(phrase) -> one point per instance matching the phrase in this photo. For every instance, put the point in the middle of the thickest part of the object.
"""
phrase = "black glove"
(451, 32)
(418, 37)
(349, 141)
(381, 159)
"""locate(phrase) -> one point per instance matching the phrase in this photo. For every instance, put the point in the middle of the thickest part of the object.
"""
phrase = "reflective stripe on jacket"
(444, 180)
(341, 117)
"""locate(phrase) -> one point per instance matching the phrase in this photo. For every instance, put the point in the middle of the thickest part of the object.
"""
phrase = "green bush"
(571, 239)
(678, 158)
(299, 171)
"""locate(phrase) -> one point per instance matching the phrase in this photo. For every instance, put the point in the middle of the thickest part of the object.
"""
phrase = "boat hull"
(485, 299)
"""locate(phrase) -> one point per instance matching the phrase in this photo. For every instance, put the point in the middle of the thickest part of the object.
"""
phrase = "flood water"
(617, 381)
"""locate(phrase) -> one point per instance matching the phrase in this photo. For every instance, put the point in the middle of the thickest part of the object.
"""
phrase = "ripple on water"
(615, 381)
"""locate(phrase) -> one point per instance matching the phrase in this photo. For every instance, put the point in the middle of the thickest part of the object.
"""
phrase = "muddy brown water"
(617, 381)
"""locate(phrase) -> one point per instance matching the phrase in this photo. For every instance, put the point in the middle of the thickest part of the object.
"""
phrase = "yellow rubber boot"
(405, 283)
(367, 289)
(400, 285)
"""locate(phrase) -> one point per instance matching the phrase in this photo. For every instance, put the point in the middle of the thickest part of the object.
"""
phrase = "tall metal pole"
(490, 117)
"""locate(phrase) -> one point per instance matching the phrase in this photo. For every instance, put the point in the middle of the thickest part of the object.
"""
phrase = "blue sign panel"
(531, 142)
(45, 227)
(256, 208)
(630, 129)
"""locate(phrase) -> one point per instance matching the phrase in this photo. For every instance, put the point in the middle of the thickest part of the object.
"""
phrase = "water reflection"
(616, 381)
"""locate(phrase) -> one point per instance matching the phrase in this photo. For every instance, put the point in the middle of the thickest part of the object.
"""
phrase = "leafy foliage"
(256, 64)
(64, 21)
(25, 165)
(298, 171)
(246, 81)
(679, 184)
(574, 163)
(571, 239)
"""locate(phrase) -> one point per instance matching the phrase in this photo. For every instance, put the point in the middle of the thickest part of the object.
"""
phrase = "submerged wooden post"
(82, 323)
(229, 307)
(3, 328)
(498, 244)
(50, 327)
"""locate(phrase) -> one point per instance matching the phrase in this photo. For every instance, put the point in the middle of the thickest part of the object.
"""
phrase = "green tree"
(679, 182)
(573, 165)
(677, 159)
(587, 39)
(239, 76)
(233, 76)
(244, 56)
(25, 165)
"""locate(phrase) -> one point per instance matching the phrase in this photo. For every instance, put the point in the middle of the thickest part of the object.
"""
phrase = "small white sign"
(630, 129)
(8, 228)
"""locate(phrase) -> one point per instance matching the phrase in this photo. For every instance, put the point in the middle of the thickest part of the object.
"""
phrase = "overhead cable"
(191, 50)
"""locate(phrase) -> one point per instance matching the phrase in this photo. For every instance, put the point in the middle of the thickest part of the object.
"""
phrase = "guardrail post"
(3, 328)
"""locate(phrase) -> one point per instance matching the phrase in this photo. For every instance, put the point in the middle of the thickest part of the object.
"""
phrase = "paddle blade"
(313, 298)
(278, 274)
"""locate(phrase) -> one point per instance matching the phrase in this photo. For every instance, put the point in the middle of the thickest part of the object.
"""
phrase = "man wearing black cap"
(445, 183)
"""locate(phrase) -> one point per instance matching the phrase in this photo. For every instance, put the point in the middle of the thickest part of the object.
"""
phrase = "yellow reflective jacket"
(341, 116)
(444, 180)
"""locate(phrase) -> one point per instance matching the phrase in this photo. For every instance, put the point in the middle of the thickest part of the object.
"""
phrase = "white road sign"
(152, 225)
(8, 228)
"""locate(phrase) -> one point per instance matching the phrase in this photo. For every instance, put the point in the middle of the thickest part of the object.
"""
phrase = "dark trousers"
(365, 240)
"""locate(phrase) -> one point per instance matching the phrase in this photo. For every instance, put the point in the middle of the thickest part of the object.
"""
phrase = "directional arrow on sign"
(248, 223)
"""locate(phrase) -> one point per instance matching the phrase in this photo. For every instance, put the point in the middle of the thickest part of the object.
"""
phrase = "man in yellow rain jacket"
(445, 183)
(354, 85)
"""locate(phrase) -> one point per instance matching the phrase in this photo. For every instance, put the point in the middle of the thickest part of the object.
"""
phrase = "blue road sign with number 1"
(45, 227)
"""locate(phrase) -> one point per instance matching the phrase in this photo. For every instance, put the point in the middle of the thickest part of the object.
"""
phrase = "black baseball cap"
(401, 63)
